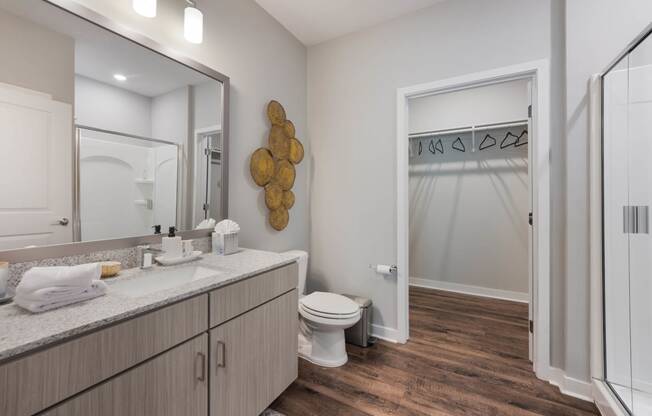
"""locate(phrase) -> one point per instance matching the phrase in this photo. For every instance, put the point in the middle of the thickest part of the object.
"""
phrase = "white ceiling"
(99, 54)
(316, 21)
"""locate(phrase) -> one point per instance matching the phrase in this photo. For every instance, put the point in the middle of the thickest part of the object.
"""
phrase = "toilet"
(323, 317)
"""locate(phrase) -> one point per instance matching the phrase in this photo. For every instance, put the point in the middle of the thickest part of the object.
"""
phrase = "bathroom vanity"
(222, 345)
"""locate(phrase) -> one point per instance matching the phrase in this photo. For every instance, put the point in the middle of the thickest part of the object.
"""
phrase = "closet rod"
(468, 129)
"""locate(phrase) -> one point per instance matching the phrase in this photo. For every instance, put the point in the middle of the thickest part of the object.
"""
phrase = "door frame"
(198, 135)
(539, 73)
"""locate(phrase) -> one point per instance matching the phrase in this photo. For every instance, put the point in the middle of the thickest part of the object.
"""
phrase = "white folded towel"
(69, 276)
(206, 224)
(49, 301)
(54, 293)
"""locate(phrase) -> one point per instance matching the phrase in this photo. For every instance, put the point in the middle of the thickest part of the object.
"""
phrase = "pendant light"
(193, 23)
(146, 8)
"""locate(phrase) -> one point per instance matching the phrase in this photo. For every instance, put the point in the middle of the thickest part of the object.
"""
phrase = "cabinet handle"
(221, 354)
(201, 359)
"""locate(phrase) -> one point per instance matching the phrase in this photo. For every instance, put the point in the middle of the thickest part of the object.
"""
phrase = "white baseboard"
(385, 333)
(470, 290)
(570, 386)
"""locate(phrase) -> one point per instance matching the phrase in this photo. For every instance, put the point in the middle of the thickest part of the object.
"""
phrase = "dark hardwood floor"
(467, 355)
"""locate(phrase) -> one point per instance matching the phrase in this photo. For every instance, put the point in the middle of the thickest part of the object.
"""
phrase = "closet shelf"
(471, 129)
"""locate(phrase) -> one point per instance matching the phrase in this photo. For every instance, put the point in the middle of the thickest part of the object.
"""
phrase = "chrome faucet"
(140, 253)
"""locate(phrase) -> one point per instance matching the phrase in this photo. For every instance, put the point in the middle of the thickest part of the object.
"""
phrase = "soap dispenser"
(171, 244)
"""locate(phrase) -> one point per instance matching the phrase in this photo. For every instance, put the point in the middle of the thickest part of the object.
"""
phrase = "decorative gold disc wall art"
(273, 167)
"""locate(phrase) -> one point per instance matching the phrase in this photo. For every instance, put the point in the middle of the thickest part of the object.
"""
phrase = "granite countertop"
(22, 331)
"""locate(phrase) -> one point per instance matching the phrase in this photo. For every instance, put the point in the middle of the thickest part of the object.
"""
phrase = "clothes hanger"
(439, 146)
(509, 134)
(458, 145)
(432, 147)
(518, 141)
(492, 143)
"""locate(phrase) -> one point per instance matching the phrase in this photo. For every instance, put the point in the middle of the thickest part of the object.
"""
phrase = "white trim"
(25, 91)
(197, 136)
(215, 128)
(571, 386)
(487, 292)
(605, 400)
(538, 71)
(595, 226)
(384, 333)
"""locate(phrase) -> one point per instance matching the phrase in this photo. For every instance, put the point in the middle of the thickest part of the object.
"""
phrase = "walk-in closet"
(470, 190)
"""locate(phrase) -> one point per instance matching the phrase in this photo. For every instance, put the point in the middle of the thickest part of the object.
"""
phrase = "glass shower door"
(617, 221)
(640, 257)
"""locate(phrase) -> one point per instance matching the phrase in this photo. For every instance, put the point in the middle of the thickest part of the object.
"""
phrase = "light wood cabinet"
(162, 363)
(174, 383)
(42, 379)
(231, 301)
(254, 358)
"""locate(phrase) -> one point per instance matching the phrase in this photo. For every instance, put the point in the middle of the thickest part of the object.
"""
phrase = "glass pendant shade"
(193, 25)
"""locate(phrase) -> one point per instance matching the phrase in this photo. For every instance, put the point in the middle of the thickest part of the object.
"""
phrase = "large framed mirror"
(104, 135)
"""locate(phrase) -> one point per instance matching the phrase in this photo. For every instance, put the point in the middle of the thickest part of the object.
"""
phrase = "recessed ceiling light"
(120, 77)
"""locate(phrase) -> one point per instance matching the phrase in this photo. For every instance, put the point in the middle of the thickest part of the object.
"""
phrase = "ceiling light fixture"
(145, 8)
(120, 77)
(193, 23)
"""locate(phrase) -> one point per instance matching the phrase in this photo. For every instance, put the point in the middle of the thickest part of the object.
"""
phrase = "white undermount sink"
(151, 281)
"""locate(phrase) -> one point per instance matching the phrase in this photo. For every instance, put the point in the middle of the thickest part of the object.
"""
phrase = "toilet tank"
(303, 268)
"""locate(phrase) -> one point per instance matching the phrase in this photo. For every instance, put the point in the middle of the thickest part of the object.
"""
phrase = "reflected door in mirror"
(35, 169)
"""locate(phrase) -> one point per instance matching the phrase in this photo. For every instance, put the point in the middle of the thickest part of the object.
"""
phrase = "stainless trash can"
(360, 333)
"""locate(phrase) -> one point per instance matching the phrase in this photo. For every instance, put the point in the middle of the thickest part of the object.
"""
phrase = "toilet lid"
(330, 304)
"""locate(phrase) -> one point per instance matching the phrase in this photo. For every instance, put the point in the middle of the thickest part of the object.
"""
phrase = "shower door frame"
(605, 398)
(76, 165)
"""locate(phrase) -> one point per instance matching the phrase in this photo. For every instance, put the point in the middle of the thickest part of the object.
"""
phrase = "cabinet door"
(254, 358)
(172, 384)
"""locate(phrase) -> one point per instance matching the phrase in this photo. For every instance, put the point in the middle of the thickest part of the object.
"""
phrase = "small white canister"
(4, 278)
(225, 244)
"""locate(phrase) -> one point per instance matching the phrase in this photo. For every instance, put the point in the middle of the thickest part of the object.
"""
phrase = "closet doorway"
(473, 195)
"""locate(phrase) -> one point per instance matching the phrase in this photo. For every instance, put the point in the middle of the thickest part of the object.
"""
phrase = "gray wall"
(352, 123)
(108, 107)
(36, 58)
(596, 31)
(264, 62)
(468, 210)
(206, 107)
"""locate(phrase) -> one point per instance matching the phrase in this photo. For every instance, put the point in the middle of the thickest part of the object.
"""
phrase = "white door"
(35, 169)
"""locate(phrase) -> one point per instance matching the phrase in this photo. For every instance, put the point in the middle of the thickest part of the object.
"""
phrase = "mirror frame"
(77, 248)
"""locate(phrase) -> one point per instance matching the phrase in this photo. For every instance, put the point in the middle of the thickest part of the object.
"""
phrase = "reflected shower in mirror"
(102, 138)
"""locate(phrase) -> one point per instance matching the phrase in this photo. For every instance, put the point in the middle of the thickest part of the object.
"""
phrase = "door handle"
(201, 359)
(63, 222)
(221, 354)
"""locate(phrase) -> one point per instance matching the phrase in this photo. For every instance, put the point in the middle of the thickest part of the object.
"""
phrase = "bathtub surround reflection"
(127, 184)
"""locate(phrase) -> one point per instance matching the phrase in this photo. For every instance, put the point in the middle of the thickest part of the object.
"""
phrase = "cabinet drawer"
(173, 384)
(231, 301)
(42, 379)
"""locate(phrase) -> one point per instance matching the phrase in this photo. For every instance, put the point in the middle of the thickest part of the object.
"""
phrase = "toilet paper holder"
(384, 269)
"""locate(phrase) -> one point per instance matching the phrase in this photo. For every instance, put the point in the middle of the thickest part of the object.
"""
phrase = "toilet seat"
(308, 313)
(329, 306)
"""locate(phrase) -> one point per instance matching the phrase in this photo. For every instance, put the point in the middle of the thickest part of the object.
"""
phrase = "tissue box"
(225, 244)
